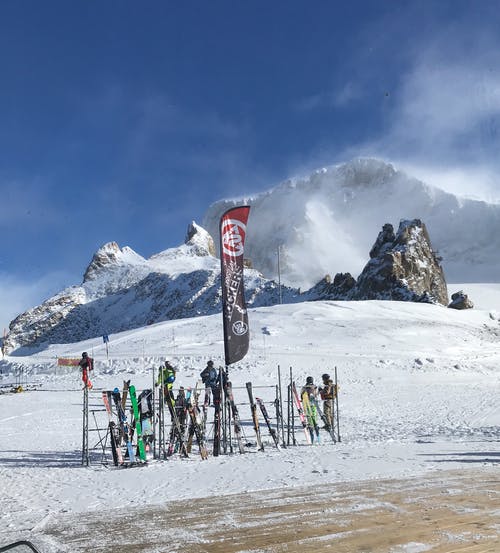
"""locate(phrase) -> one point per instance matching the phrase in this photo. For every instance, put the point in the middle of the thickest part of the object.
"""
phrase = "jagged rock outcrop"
(199, 239)
(403, 266)
(107, 256)
(460, 300)
(341, 286)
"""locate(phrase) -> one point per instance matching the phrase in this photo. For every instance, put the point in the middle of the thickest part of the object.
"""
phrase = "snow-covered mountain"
(121, 290)
(326, 222)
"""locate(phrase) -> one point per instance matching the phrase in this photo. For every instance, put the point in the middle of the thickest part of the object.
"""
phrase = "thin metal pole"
(293, 409)
(281, 408)
(155, 436)
(288, 429)
(337, 403)
(85, 437)
(279, 276)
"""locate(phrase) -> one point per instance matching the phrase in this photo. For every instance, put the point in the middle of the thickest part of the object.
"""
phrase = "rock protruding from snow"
(403, 267)
(200, 241)
(460, 300)
(384, 240)
(110, 255)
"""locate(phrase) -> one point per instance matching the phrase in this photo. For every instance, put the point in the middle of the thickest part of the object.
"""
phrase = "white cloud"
(16, 295)
(442, 122)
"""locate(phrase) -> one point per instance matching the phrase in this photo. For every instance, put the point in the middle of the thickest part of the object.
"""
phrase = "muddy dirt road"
(448, 511)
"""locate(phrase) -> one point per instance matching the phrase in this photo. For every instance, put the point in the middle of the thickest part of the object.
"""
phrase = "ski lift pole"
(154, 416)
(294, 441)
(337, 405)
(281, 408)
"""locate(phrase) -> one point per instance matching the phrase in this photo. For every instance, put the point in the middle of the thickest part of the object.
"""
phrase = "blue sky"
(124, 120)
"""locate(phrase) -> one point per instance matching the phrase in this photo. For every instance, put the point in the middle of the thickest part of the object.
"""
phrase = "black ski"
(122, 416)
(236, 416)
(176, 431)
(272, 431)
(329, 428)
(115, 448)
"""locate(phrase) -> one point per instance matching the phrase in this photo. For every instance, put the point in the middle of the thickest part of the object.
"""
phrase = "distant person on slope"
(209, 377)
(86, 365)
(166, 378)
(327, 394)
(309, 394)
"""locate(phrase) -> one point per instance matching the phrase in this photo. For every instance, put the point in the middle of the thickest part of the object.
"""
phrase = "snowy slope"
(419, 389)
(326, 222)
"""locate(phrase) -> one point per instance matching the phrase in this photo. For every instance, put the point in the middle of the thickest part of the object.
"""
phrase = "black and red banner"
(233, 228)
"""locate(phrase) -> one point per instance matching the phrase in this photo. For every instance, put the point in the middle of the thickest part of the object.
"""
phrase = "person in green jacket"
(166, 378)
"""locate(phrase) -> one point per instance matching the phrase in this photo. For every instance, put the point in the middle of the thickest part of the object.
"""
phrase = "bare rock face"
(336, 290)
(403, 266)
(459, 300)
(200, 241)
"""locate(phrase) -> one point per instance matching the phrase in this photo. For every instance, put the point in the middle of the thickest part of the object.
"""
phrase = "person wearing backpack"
(327, 394)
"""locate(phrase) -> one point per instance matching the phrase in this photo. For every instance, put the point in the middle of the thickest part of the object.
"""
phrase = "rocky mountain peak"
(109, 255)
(403, 267)
(199, 240)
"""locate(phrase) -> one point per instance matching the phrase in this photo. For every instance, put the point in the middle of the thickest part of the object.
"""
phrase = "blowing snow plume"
(325, 223)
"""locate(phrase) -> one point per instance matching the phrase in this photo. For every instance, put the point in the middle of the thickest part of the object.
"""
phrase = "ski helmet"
(309, 380)
(325, 376)
(84, 354)
(210, 363)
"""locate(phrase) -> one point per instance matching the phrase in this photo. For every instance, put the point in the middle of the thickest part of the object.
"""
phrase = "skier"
(181, 408)
(86, 365)
(327, 393)
(310, 390)
(209, 377)
(166, 377)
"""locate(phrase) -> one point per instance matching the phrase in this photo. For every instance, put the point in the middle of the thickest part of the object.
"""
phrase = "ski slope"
(419, 387)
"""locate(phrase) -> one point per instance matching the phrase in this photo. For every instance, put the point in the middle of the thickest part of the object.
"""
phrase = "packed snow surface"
(419, 387)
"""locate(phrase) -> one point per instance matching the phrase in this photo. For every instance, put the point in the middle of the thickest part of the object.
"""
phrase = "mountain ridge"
(123, 290)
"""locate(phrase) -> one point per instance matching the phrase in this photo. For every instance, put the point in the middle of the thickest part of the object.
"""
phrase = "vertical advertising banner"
(233, 227)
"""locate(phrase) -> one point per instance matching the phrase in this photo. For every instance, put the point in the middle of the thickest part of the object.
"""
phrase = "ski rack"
(233, 436)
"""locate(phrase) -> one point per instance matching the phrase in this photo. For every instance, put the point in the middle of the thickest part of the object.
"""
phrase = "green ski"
(137, 417)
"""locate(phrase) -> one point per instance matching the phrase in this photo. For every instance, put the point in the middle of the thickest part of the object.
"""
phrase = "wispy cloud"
(17, 295)
(341, 97)
(441, 121)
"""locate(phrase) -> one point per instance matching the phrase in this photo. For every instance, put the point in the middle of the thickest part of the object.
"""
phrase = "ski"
(115, 447)
(322, 415)
(176, 430)
(255, 417)
(272, 431)
(122, 416)
(312, 425)
(146, 413)
(137, 418)
(126, 384)
(195, 427)
(216, 396)
(236, 416)
(302, 416)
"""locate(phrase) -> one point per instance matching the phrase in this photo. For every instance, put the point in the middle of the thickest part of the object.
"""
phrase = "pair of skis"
(255, 419)
(125, 433)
